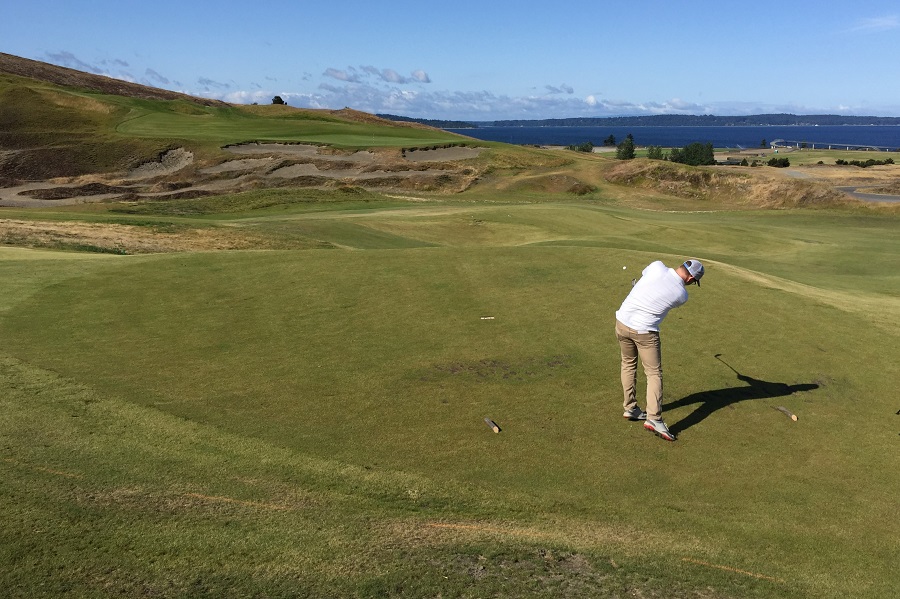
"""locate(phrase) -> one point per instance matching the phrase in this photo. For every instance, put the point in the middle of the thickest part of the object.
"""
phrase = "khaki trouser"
(647, 346)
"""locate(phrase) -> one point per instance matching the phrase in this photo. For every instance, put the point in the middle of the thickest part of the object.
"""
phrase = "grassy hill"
(59, 122)
(283, 392)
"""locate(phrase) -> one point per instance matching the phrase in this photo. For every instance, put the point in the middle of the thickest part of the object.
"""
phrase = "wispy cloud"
(562, 89)
(114, 67)
(116, 62)
(211, 84)
(421, 76)
(67, 59)
(155, 77)
(350, 75)
(371, 73)
(875, 24)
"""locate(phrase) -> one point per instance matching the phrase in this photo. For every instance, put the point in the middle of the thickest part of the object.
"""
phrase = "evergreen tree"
(625, 150)
(655, 153)
(695, 154)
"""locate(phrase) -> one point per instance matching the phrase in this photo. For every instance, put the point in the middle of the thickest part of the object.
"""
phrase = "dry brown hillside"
(24, 67)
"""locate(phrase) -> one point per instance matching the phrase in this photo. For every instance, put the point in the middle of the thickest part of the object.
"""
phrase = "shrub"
(582, 147)
(864, 164)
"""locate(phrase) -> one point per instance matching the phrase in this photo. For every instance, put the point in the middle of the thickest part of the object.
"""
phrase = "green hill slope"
(58, 122)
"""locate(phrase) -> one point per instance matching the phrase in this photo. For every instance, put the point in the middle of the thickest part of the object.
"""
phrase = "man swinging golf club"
(659, 289)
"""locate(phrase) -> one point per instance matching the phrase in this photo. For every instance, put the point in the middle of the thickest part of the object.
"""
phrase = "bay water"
(842, 137)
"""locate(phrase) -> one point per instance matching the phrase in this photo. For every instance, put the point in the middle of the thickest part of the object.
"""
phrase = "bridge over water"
(818, 145)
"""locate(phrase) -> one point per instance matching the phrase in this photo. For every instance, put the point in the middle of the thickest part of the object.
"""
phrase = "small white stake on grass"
(492, 425)
(487, 318)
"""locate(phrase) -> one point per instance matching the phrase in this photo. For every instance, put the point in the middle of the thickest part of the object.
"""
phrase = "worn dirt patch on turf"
(494, 369)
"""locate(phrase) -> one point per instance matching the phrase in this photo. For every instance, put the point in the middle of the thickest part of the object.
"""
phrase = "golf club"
(726, 364)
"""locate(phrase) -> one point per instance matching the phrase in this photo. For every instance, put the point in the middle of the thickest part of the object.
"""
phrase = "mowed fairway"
(311, 423)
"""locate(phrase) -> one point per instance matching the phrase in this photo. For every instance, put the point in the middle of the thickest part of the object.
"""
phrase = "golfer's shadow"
(710, 401)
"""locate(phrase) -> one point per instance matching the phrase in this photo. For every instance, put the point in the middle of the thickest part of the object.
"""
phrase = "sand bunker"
(237, 165)
(442, 154)
(170, 162)
(300, 150)
(303, 170)
(311, 170)
(297, 164)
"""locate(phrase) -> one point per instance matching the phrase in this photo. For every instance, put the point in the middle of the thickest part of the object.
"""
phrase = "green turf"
(233, 125)
(298, 423)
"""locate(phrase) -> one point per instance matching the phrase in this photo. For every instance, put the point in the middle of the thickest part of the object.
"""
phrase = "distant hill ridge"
(42, 71)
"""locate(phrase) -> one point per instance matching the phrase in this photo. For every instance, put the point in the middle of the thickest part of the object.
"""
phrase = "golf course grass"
(311, 422)
(288, 392)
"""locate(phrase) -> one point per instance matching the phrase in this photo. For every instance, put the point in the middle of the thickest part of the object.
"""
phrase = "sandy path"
(443, 154)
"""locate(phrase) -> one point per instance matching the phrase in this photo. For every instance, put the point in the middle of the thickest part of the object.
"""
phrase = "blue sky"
(482, 60)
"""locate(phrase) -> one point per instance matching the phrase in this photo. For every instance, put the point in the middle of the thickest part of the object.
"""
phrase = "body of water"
(824, 136)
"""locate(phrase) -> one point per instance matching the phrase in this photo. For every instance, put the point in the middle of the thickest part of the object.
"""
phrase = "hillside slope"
(57, 122)
(42, 71)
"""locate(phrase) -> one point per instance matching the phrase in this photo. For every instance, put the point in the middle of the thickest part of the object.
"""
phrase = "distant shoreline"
(668, 120)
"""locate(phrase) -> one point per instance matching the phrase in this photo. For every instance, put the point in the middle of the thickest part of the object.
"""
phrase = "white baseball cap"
(695, 268)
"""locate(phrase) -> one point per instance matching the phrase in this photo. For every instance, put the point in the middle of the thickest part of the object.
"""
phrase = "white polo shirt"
(659, 290)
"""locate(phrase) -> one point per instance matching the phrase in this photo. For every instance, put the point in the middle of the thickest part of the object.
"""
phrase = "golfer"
(659, 289)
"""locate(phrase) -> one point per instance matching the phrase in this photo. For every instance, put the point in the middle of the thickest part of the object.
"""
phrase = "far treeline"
(665, 120)
(702, 154)
(438, 123)
(695, 154)
(704, 120)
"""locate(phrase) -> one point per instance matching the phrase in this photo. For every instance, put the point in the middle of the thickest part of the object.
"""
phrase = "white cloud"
(885, 23)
